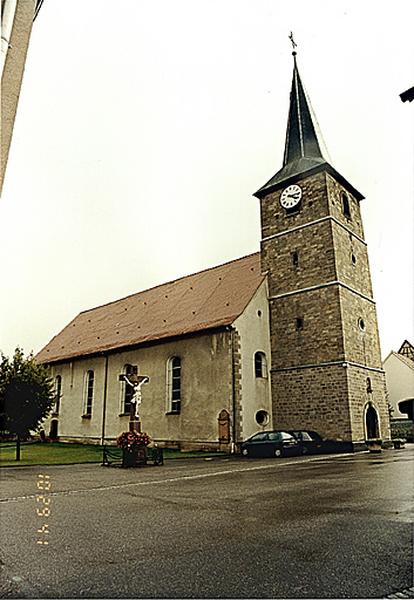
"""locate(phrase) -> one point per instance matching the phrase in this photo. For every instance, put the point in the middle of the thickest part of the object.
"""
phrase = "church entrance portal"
(371, 423)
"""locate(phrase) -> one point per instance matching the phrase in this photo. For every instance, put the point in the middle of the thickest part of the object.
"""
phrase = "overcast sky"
(145, 126)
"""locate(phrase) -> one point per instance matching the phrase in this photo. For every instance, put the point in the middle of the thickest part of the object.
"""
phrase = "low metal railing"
(115, 457)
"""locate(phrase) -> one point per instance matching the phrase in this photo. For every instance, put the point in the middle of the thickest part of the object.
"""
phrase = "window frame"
(88, 393)
(58, 393)
(260, 368)
(174, 385)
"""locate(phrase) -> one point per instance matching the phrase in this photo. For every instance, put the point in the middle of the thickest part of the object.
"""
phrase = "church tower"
(326, 370)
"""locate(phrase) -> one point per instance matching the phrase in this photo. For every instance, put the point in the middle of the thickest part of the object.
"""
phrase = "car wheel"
(245, 452)
(278, 452)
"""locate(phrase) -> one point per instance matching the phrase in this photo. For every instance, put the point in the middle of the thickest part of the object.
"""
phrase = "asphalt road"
(310, 527)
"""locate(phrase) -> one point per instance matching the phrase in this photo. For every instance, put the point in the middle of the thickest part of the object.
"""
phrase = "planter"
(374, 445)
(134, 456)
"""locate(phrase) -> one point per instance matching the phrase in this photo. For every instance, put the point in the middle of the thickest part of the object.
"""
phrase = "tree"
(26, 395)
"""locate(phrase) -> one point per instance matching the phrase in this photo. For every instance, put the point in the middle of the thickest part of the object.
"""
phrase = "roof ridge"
(168, 283)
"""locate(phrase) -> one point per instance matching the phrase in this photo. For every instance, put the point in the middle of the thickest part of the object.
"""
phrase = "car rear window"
(259, 437)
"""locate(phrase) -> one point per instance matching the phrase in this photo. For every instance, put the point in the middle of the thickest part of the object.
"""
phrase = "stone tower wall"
(324, 332)
(313, 399)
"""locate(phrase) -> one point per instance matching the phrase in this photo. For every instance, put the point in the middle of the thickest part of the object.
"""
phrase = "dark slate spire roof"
(301, 138)
(303, 153)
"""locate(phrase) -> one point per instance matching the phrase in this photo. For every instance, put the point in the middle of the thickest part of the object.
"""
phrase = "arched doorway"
(371, 423)
(53, 432)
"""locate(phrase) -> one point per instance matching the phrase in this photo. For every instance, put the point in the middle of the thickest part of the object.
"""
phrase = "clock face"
(290, 196)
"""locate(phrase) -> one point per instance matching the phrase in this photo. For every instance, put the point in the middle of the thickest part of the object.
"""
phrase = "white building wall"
(253, 328)
(400, 382)
(206, 378)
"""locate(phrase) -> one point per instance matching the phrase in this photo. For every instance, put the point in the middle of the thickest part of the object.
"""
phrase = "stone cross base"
(135, 425)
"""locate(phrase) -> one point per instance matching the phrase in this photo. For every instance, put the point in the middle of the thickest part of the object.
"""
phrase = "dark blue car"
(271, 443)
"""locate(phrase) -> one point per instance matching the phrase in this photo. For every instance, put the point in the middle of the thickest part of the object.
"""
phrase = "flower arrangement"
(132, 438)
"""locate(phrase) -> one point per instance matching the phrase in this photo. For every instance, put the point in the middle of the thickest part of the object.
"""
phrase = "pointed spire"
(302, 146)
(301, 137)
(303, 154)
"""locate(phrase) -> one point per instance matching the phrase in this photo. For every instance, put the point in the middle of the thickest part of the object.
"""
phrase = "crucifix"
(136, 382)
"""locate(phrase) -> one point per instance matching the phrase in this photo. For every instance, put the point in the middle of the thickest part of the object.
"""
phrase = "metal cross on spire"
(294, 44)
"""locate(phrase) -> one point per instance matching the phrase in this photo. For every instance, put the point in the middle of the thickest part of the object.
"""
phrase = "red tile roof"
(212, 298)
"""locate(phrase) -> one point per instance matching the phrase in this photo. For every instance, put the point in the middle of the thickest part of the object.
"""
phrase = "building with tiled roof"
(284, 338)
(188, 337)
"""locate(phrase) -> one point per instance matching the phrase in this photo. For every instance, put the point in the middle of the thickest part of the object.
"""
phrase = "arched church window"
(260, 364)
(58, 392)
(174, 384)
(346, 209)
(128, 390)
(88, 393)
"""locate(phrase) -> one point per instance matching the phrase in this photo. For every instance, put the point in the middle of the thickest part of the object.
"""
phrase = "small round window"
(262, 417)
(361, 324)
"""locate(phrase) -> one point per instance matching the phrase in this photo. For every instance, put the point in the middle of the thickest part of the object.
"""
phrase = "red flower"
(129, 438)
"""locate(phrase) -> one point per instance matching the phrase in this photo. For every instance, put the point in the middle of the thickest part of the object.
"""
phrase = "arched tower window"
(174, 384)
(88, 393)
(58, 392)
(128, 390)
(260, 364)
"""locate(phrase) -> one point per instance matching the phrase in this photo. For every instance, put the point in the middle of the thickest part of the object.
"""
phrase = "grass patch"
(59, 453)
(56, 453)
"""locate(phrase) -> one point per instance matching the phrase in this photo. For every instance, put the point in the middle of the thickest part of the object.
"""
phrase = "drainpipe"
(233, 395)
(104, 399)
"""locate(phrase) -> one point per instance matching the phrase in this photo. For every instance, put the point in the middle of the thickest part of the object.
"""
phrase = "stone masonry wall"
(314, 206)
(320, 340)
(360, 398)
(315, 258)
(237, 382)
(361, 346)
(334, 191)
(351, 260)
(315, 399)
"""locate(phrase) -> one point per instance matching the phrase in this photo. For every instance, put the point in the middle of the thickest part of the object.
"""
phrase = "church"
(286, 338)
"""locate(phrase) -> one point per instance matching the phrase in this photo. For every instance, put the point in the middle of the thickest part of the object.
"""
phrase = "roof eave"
(268, 189)
(111, 349)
